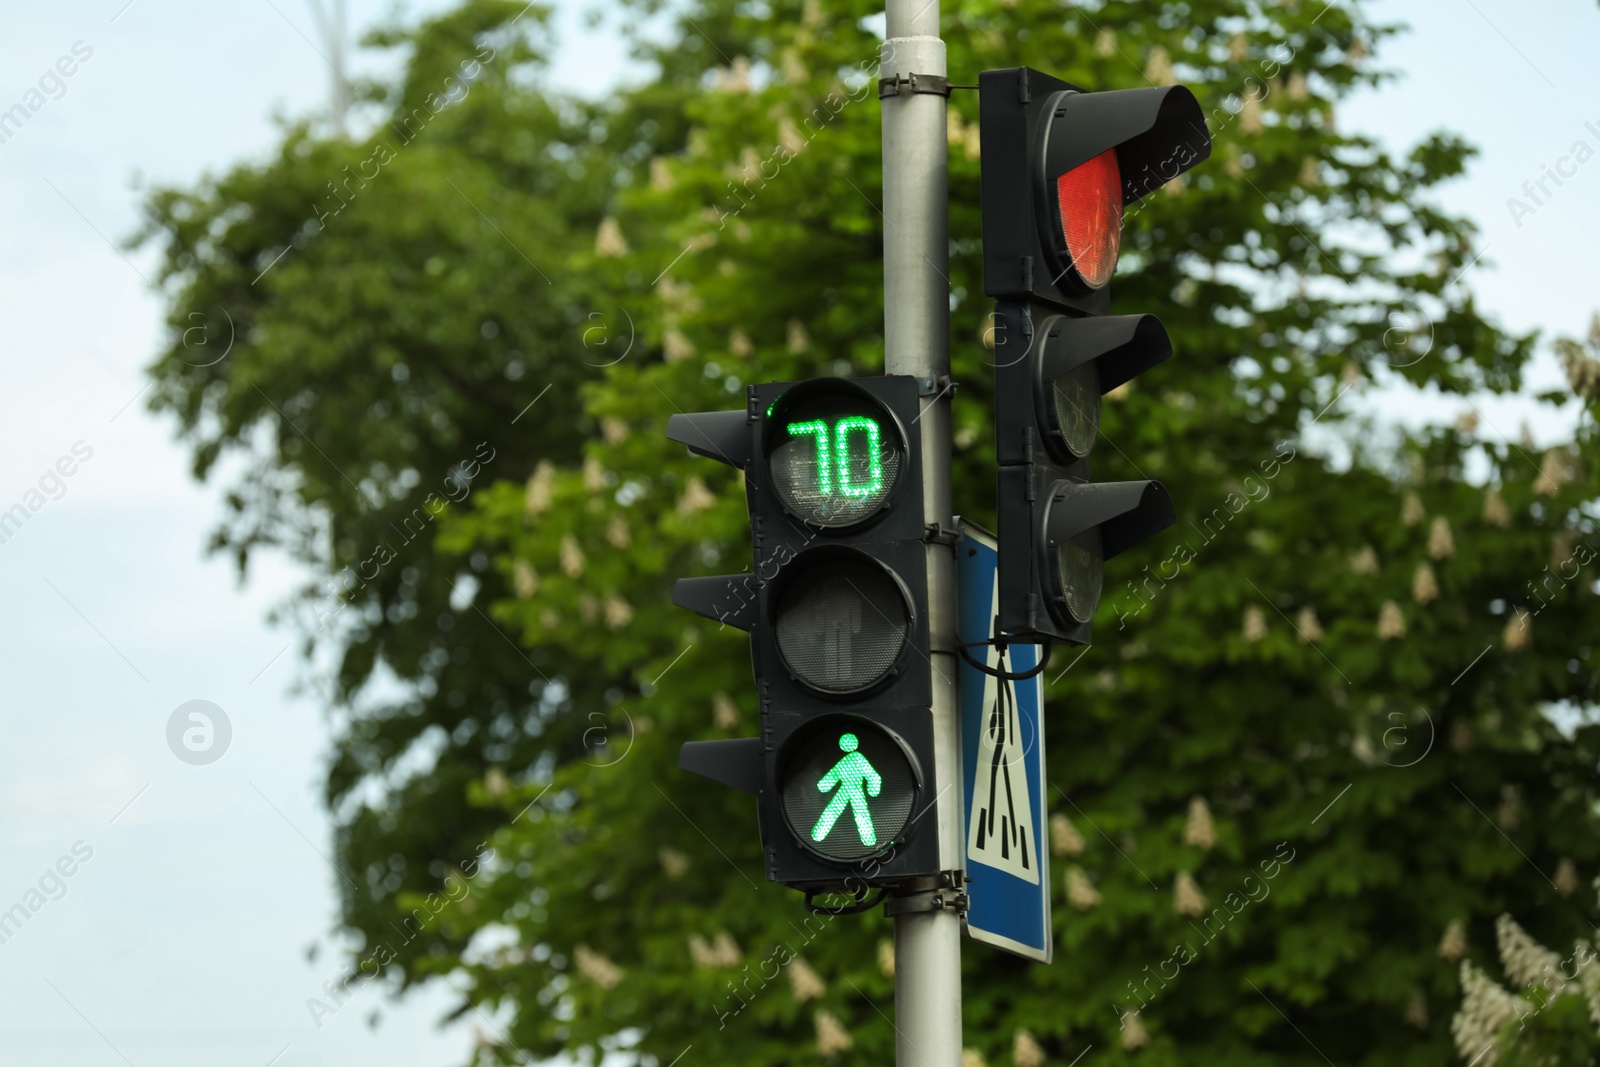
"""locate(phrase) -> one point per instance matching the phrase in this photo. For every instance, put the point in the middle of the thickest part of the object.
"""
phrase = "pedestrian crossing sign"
(1002, 750)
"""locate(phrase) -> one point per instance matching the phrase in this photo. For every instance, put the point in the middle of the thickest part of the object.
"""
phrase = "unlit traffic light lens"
(1076, 395)
(1089, 197)
(848, 789)
(1081, 565)
(841, 624)
(835, 460)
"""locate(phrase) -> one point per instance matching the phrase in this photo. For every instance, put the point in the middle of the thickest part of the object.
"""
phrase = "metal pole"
(927, 943)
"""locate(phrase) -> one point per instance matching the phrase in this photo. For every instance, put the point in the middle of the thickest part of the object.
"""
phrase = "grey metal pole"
(927, 942)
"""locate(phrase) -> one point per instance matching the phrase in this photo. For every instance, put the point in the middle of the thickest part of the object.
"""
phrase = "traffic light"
(1060, 165)
(835, 605)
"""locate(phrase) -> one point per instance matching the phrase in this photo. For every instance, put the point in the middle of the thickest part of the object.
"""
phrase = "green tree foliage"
(1310, 756)
(389, 308)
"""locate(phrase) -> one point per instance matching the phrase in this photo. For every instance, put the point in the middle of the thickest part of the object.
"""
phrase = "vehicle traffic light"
(1059, 167)
(835, 605)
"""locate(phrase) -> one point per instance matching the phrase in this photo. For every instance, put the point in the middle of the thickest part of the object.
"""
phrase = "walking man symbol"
(848, 775)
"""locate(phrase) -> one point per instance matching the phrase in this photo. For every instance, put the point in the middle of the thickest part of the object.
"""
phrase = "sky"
(181, 935)
(1512, 79)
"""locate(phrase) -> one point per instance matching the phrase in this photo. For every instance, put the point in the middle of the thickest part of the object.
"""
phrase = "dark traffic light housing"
(1059, 166)
(1040, 141)
(835, 605)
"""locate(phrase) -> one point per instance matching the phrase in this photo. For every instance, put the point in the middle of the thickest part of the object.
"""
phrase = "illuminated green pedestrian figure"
(847, 775)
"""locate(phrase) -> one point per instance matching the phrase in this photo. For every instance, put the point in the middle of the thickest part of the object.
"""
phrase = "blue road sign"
(1002, 747)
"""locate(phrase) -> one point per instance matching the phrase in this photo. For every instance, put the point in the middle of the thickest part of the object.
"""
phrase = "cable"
(1002, 644)
(862, 903)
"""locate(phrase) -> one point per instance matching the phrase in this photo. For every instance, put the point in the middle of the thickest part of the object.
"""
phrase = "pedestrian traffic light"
(835, 605)
(1060, 166)
(839, 767)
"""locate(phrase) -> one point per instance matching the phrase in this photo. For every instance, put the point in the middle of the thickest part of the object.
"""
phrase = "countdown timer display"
(834, 459)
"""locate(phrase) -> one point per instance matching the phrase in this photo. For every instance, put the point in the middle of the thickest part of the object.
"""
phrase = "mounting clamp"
(936, 84)
(928, 900)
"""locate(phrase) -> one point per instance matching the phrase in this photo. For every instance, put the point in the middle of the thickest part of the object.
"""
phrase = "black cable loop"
(1002, 644)
(862, 903)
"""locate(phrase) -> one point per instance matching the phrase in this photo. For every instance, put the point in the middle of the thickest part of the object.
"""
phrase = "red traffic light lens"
(1090, 200)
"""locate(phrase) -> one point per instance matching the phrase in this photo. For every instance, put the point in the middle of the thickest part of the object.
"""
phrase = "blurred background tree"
(1361, 661)
(1555, 1020)
(390, 319)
